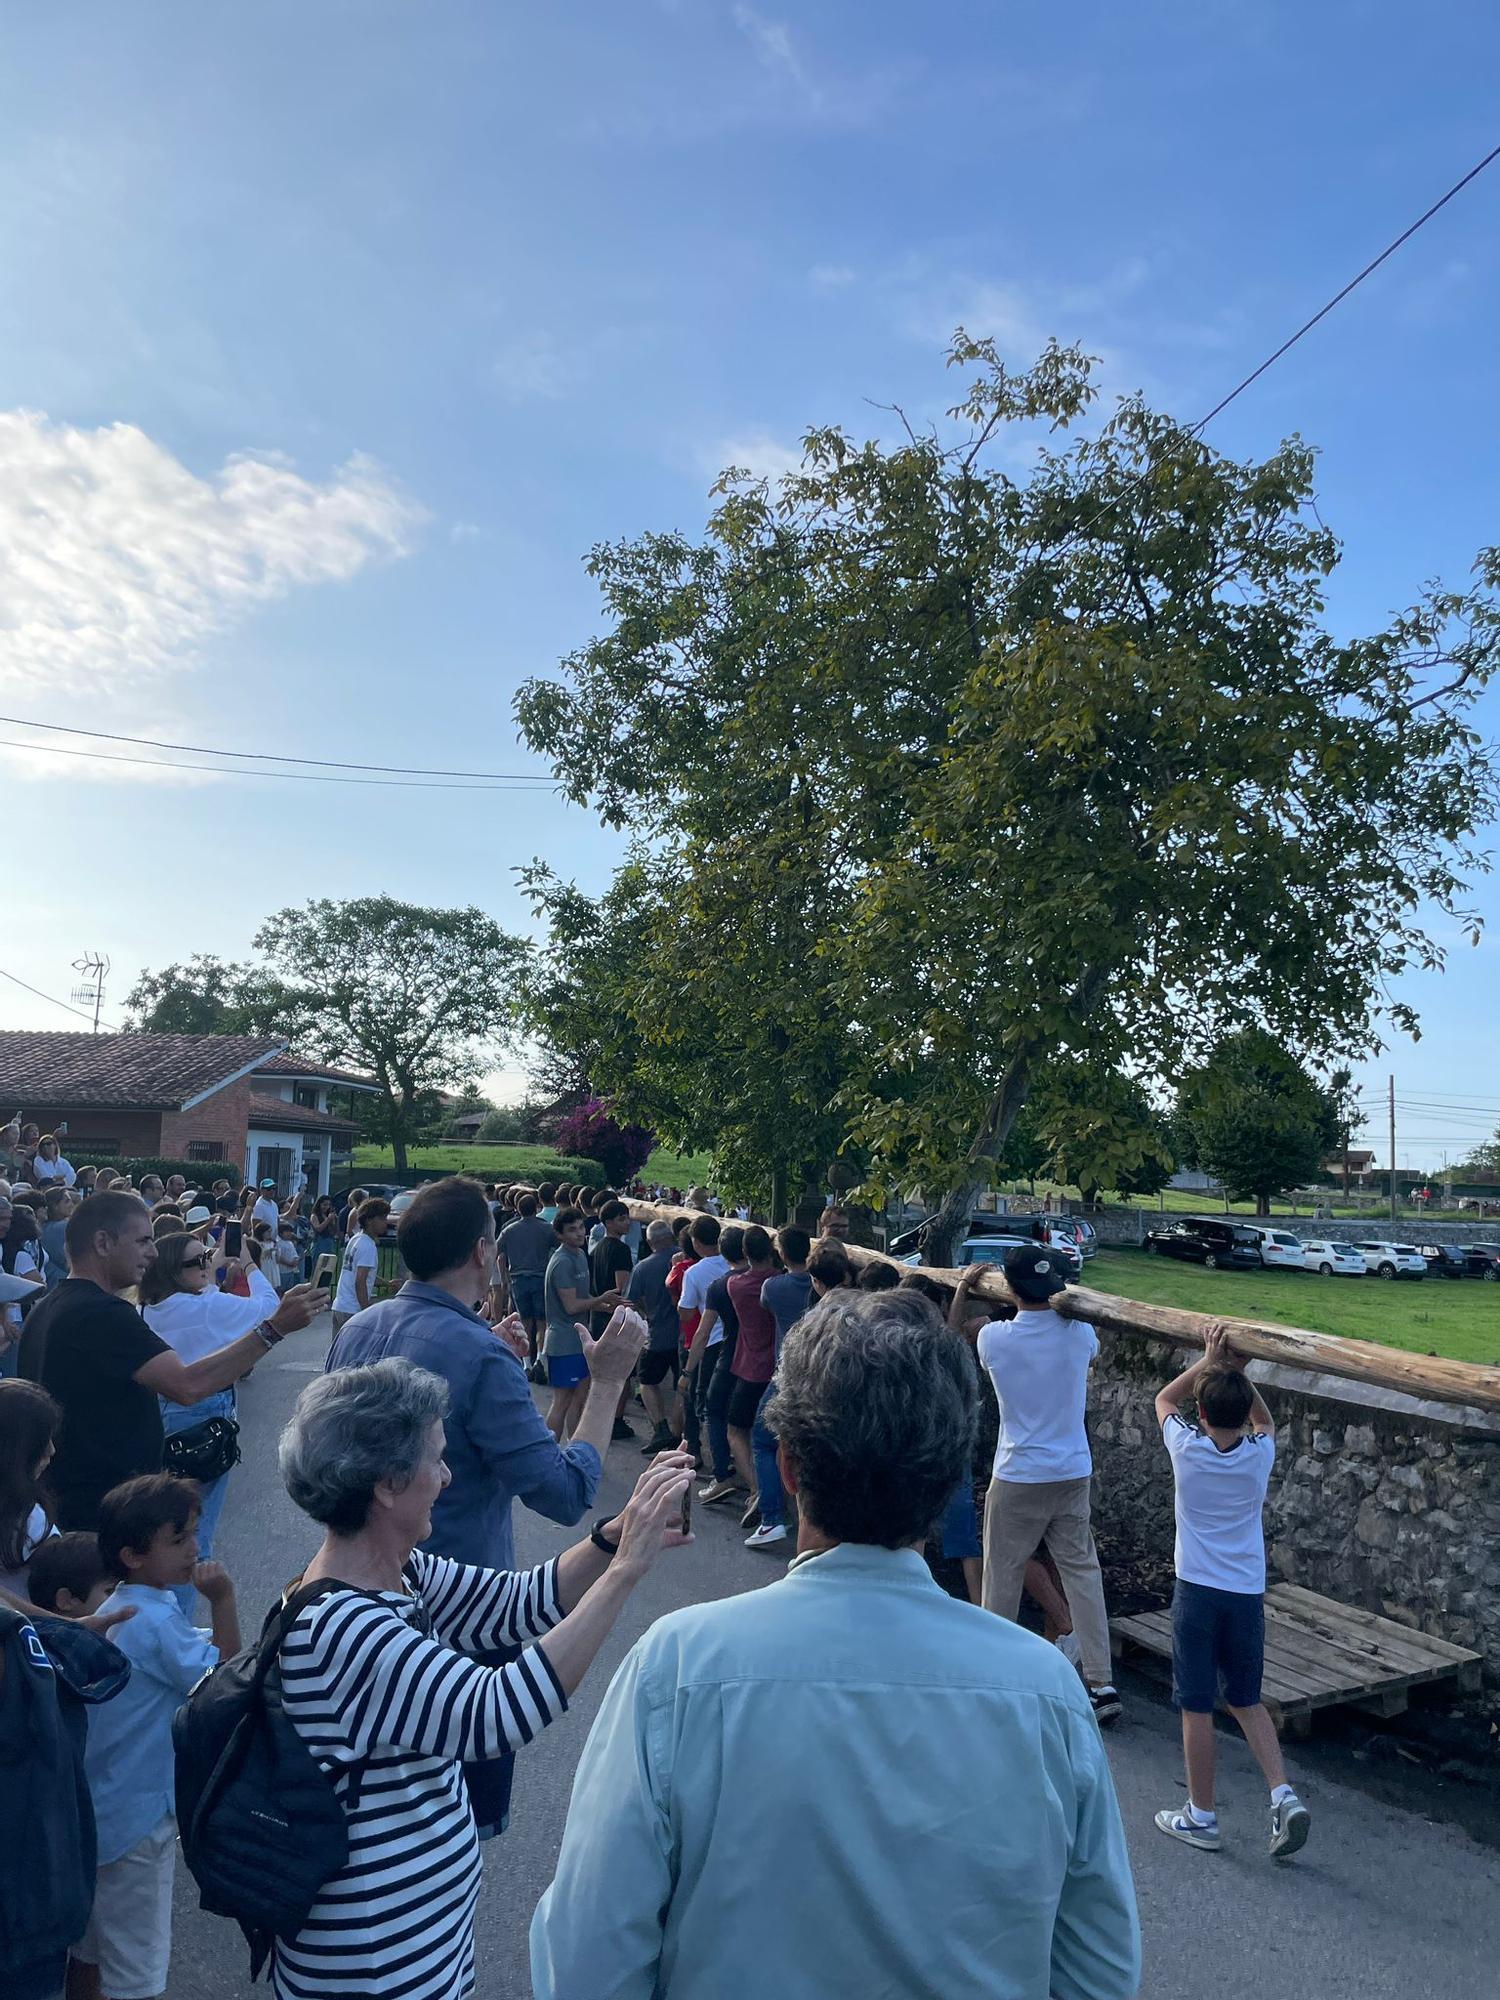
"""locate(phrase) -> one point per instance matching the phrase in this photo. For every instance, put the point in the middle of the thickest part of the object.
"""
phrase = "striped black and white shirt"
(384, 1679)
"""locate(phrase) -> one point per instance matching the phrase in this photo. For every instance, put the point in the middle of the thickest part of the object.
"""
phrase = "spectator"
(387, 1674)
(11, 1163)
(349, 1209)
(546, 1196)
(1218, 1605)
(103, 1365)
(84, 1182)
(49, 1164)
(878, 1274)
(834, 1223)
(357, 1276)
(771, 1697)
(692, 1298)
(286, 1256)
(267, 1209)
(20, 1257)
(711, 1352)
(568, 1299)
(29, 1421)
(754, 1361)
(324, 1226)
(829, 1268)
(67, 1576)
(182, 1305)
(176, 1187)
(152, 1189)
(60, 1202)
(1039, 1363)
(786, 1297)
(148, 1542)
(649, 1293)
(525, 1249)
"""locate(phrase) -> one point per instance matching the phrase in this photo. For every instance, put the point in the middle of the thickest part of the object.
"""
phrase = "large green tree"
(1063, 767)
(211, 996)
(1254, 1118)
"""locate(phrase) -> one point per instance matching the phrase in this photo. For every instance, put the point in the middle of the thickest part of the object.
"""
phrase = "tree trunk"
(400, 1114)
(778, 1193)
(944, 1231)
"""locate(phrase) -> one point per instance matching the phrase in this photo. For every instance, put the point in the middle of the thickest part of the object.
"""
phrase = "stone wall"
(1377, 1499)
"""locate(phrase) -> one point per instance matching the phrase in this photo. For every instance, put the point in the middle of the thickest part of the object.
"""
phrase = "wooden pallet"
(1320, 1654)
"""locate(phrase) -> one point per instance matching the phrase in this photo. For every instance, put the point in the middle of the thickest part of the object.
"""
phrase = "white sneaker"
(1067, 1644)
(764, 1538)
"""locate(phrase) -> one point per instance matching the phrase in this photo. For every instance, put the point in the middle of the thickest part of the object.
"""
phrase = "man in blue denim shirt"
(498, 1447)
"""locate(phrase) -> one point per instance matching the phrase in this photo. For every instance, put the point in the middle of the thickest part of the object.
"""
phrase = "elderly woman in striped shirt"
(377, 1677)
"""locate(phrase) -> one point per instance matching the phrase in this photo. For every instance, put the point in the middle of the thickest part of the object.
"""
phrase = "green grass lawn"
(1460, 1319)
(529, 1163)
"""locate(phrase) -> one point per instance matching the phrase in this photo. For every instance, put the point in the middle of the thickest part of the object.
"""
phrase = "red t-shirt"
(755, 1350)
(681, 1265)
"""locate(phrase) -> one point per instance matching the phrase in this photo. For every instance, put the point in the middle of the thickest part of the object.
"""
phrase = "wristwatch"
(601, 1541)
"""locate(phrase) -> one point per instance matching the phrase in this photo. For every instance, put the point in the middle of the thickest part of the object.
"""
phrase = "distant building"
(241, 1099)
(1360, 1161)
(1193, 1180)
(466, 1126)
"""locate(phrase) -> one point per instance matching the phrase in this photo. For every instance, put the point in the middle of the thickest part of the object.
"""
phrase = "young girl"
(28, 1427)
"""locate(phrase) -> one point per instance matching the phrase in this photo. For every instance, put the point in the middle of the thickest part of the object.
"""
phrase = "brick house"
(237, 1098)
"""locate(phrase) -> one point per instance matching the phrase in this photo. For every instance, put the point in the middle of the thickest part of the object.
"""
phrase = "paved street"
(1385, 1901)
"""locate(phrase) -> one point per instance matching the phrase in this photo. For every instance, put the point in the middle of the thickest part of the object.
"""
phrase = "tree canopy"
(1255, 1119)
(993, 772)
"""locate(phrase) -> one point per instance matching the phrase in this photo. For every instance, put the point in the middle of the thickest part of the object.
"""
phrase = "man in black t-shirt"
(98, 1359)
(609, 1260)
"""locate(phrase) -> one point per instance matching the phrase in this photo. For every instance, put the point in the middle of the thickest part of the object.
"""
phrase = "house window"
(205, 1149)
(305, 1094)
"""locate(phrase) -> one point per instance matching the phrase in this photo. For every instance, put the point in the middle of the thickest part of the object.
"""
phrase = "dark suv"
(1482, 1260)
(1207, 1240)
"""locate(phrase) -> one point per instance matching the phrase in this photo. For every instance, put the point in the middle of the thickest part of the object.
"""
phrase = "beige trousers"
(1016, 1518)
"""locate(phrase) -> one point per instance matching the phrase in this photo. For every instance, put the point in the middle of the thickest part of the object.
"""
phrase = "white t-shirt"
(25, 1264)
(36, 1533)
(265, 1210)
(1220, 1495)
(696, 1280)
(360, 1254)
(1039, 1364)
(59, 1169)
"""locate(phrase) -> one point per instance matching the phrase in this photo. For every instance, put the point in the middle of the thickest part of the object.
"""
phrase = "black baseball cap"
(1034, 1273)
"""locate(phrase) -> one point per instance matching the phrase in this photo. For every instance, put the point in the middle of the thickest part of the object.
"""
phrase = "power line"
(1306, 327)
(292, 777)
(275, 756)
(67, 1009)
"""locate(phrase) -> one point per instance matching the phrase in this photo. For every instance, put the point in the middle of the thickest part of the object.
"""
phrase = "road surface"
(1388, 1900)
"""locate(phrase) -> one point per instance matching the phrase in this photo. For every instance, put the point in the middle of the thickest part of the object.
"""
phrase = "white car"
(992, 1249)
(1393, 1260)
(1280, 1251)
(1333, 1260)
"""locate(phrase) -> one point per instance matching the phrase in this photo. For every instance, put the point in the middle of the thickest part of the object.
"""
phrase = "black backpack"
(262, 1828)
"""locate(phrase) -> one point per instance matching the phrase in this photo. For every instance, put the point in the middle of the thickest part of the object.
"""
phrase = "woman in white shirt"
(361, 1261)
(29, 1421)
(49, 1164)
(182, 1305)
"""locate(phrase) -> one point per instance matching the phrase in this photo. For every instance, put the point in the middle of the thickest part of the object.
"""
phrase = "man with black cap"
(1039, 1363)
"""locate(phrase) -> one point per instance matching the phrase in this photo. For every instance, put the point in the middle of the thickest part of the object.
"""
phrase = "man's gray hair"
(352, 1429)
(876, 1406)
(660, 1235)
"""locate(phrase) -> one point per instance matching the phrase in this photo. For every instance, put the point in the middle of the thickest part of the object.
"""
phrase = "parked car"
(1443, 1260)
(1393, 1260)
(992, 1249)
(1280, 1251)
(1333, 1260)
(1207, 1240)
(1482, 1260)
(1023, 1228)
(1069, 1229)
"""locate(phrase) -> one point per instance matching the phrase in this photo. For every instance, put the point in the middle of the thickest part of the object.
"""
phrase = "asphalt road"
(1390, 1898)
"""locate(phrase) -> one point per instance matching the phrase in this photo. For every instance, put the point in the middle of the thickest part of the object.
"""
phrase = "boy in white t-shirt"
(1039, 1363)
(1218, 1606)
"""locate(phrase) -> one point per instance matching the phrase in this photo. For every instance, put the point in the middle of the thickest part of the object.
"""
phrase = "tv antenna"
(95, 970)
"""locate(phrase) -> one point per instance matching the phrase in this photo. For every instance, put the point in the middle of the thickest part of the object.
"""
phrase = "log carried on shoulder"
(1426, 1375)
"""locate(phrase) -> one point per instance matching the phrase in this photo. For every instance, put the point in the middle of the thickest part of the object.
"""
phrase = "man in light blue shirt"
(848, 1782)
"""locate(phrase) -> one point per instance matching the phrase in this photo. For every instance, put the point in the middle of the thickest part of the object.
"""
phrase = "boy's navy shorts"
(1217, 1635)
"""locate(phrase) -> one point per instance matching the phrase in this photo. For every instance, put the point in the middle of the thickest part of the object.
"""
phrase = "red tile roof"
(123, 1072)
(279, 1116)
(287, 1065)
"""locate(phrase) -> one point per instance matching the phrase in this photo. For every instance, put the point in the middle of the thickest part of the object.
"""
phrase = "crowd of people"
(831, 1395)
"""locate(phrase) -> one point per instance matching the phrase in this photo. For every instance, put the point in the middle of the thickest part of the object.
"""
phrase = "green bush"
(197, 1173)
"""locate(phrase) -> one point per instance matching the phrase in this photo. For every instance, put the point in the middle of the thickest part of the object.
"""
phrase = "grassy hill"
(528, 1163)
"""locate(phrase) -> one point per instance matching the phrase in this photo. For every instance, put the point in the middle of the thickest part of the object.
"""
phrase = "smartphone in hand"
(234, 1238)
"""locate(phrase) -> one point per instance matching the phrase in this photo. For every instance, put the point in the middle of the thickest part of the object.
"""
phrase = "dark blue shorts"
(960, 1524)
(526, 1294)
(1217, 1636)
(566, 1371)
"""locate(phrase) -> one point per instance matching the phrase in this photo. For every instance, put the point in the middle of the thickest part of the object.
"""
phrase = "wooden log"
(1433, 1377)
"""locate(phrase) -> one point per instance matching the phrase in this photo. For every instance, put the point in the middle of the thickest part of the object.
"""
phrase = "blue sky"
(333, 334)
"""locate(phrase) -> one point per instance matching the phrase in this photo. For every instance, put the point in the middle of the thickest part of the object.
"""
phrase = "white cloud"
(117, 562)
(534, 368)
(772, 43)
(760, 454)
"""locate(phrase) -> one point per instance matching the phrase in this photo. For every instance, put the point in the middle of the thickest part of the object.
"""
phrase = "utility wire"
(297, 777)
(276, 757)
(1290, 342)
(66, 1007)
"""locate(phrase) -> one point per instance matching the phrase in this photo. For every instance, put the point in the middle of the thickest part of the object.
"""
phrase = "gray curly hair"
(352, 1429)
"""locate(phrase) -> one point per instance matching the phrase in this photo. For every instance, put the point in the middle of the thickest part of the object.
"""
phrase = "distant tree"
(1100, 1130)
(416, 997)
(505, 1126)
(211, 996)
(1255, 1119)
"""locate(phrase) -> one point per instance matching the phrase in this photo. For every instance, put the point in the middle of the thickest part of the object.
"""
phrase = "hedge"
(197, 1173)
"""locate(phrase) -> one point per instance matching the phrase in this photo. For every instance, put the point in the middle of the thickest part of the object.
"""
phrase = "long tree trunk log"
(1428, 1375)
